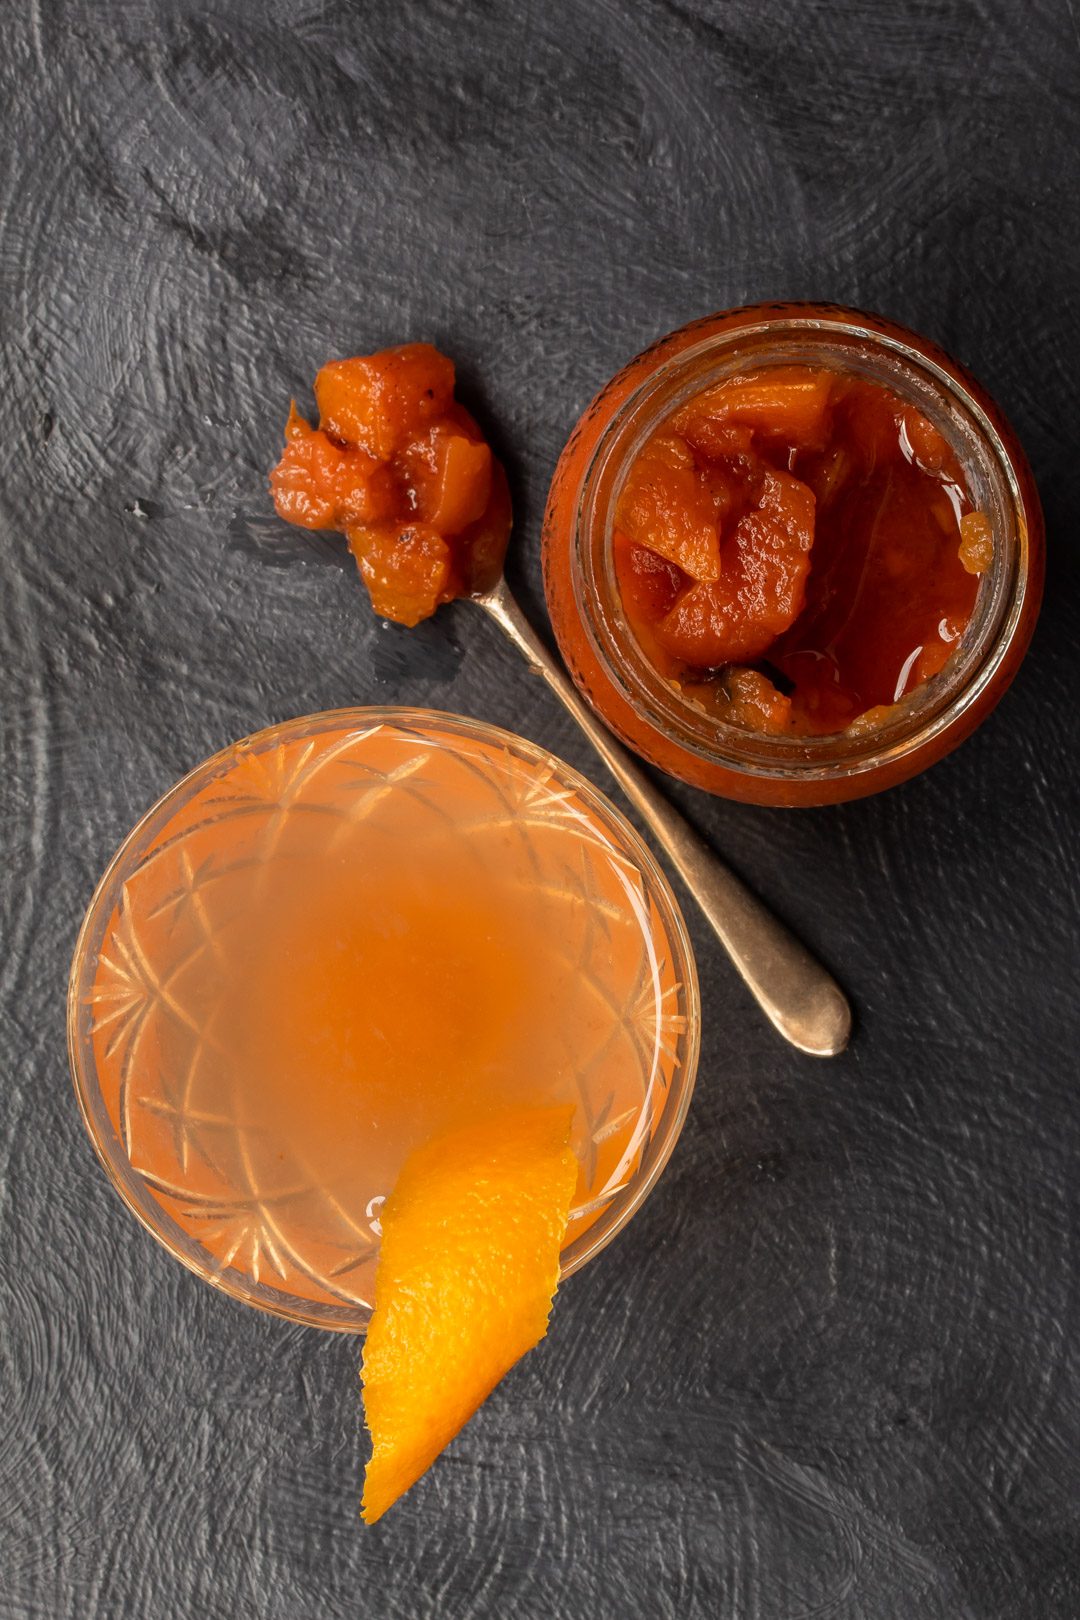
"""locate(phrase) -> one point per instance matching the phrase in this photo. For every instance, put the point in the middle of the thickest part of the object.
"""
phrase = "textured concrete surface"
(832, 1368)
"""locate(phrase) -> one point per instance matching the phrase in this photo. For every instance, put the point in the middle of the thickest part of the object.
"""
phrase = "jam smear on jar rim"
(796, 548)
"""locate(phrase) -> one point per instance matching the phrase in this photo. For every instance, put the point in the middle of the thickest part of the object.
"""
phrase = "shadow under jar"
(650, 712)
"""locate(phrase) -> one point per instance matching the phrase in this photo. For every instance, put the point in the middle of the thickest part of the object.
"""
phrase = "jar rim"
(675, 366)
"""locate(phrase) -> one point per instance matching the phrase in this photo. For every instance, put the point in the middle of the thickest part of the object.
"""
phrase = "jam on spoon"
(403, 471)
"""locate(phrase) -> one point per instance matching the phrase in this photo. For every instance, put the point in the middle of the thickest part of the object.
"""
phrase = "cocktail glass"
(348, 932)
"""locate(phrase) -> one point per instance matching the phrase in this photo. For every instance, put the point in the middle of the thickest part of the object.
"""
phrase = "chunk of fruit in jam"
(406, 568)
(405, 473)
(321, 484)
(665, 505)
(744, 697)
(451, 478)
(976, 542)
(786, 402)
(765, 561)
(382, 401)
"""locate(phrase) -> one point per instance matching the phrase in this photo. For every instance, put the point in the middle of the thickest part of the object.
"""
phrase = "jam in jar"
(793, 554)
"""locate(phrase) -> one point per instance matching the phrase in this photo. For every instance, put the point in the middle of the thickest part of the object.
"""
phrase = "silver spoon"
(795, 992)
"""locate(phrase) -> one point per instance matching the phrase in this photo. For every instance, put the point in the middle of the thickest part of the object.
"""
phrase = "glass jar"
(651, 714)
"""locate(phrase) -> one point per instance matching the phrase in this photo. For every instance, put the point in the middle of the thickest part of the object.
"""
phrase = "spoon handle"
(801, 999)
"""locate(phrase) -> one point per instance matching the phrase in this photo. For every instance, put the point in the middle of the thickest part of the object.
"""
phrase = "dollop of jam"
(405, 473)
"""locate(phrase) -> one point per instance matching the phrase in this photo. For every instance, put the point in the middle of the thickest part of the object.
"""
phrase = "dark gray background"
(831, 1369)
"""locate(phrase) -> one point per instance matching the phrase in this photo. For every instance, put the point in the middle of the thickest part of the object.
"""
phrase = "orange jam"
(796, 548)
(404, 472)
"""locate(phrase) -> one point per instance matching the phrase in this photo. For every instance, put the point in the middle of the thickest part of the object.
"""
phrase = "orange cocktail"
(343, 937)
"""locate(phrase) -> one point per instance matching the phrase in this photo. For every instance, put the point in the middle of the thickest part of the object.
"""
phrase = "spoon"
(794, 991)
